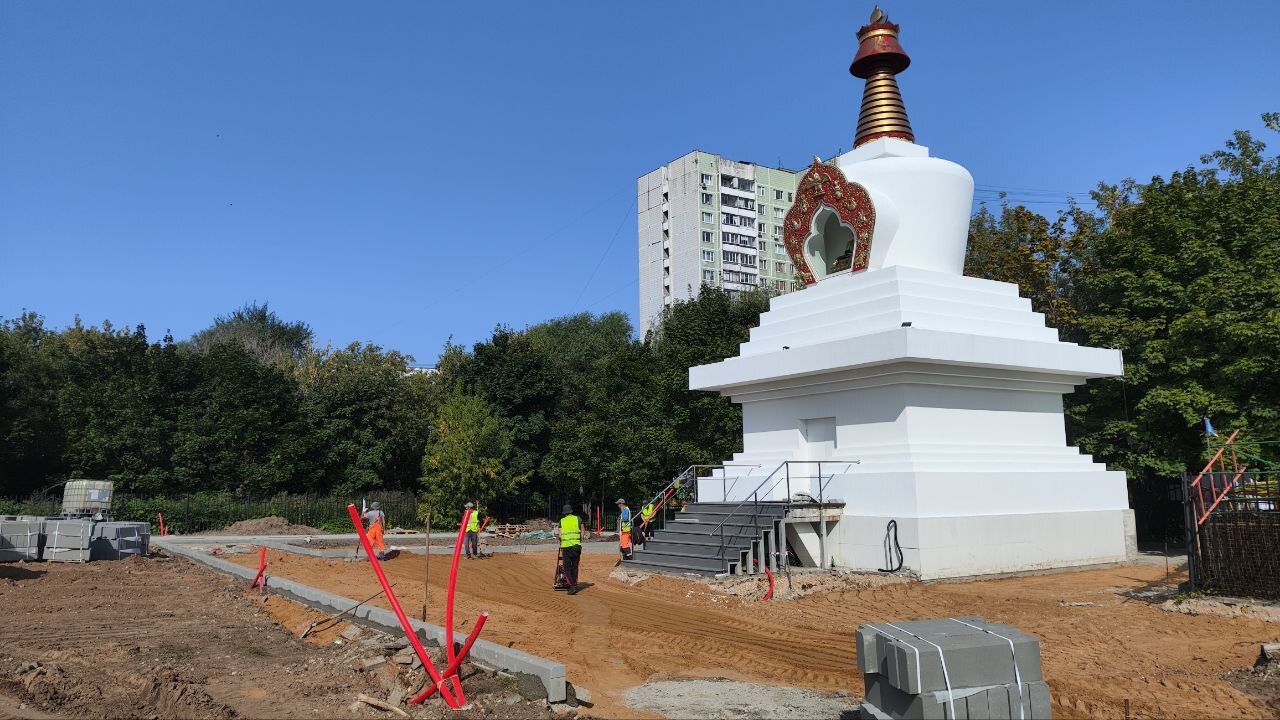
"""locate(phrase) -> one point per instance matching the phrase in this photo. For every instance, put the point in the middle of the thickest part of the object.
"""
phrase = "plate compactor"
(561, 581)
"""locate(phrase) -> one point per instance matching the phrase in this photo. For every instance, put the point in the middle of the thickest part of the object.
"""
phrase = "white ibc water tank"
(86, 497)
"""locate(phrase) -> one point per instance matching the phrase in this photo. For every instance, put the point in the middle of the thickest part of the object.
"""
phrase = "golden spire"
(879, 59)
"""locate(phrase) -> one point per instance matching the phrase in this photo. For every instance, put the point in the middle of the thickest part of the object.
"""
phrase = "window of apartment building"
(779, 248)
(780, 284)
(708, 256)
(779, 267)
(707, 236)
(706, 179)
(777, 231)
(708, 217)
(738, 258)
(706, 198)
(708, 275)
(762, 208)
(788, 197)
(761, 188)
(777, 212)
(777, 194)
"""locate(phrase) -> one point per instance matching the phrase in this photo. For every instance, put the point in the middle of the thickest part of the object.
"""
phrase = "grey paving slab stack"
(963, 668)
(119, 540)
(67, 540)
(19, 539)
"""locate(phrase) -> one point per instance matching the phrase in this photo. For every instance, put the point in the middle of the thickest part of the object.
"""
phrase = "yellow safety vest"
(473, 525)
(570, 531)
(647, 512)
(626, 522)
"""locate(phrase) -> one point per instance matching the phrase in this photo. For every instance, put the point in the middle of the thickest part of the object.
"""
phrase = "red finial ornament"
(879, 59)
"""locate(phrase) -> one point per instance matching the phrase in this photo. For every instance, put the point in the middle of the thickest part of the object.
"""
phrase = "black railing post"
(1189, 520)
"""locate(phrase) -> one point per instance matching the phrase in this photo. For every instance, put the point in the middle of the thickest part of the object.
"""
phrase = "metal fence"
(203, 512)
(1236, 549)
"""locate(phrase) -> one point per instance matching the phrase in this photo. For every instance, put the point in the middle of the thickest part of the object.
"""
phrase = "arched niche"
(830, 247)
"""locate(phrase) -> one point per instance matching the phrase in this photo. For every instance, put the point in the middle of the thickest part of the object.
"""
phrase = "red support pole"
(160, 521)
(395, 607)
(485, 524)
(768, 595)
(448, 606)
(452, 670)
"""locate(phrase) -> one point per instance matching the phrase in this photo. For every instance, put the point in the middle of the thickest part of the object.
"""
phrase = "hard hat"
(566, 509)
(374, 505)
(619, 501)
(468, 505)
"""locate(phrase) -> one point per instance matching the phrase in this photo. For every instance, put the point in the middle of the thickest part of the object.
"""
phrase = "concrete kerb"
(285, 543)
(484, 652)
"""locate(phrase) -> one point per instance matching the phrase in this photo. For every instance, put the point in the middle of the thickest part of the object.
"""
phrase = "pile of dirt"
(270, 525)
(803, 583)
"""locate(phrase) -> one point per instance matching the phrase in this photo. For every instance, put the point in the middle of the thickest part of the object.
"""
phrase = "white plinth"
(956, 420)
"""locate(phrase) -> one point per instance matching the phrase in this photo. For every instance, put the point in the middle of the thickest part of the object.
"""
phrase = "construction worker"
(472, 541)
(624, 528)
(647, 514)
(377, 521)
(570, 534)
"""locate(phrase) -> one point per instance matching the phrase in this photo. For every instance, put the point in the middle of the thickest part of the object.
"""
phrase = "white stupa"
(934, 399)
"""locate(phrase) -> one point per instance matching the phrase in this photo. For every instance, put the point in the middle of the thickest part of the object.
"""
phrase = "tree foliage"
(467, 457)
(1183, 275)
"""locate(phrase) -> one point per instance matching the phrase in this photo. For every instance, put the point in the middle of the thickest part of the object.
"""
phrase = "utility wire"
(604, 254)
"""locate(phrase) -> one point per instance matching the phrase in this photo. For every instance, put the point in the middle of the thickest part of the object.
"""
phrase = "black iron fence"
(203, 512)
(1233, 547)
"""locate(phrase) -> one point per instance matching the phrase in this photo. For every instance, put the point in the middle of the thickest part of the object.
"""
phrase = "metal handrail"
(690, 472)
(755, 498)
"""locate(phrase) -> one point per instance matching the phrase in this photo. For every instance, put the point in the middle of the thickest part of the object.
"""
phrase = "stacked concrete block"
(119, 540)
(19, 539)
(951, 669)
(67, 540)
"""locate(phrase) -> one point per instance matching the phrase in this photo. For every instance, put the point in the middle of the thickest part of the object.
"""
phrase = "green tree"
(367, 414)
(468, 457)
(1183, 275)
(32, 439)
(260, 332)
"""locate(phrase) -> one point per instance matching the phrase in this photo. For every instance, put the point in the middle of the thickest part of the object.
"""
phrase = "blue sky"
(402, 172)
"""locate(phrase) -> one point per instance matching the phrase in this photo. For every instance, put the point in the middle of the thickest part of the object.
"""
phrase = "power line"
(600, 262)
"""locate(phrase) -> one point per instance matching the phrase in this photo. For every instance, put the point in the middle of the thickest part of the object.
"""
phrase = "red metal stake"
(160, 519)
(262, 568)
(448, 607)
(395, 608)
(452, 670)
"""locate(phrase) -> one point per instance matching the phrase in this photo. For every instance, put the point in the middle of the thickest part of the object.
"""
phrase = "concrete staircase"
(691, 542)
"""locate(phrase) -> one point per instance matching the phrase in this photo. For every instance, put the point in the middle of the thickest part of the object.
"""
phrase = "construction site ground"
(1107, 635)
(161, 637)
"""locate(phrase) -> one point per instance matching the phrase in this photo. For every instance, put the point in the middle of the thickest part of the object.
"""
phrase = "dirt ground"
(1100, 645)
(159, 637)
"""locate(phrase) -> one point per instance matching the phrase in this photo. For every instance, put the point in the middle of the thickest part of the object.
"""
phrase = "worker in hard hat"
(570, 533)
(471, 543)
(624, 528)
(377, 522)
(647, 514)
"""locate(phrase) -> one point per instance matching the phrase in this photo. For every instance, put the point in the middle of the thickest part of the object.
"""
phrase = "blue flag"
(1208, 427)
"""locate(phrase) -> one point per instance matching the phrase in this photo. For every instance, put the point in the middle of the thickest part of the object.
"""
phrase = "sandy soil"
(616, 635)
(155, 637)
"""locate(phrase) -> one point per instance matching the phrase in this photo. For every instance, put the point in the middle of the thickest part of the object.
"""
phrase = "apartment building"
(705, 219)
